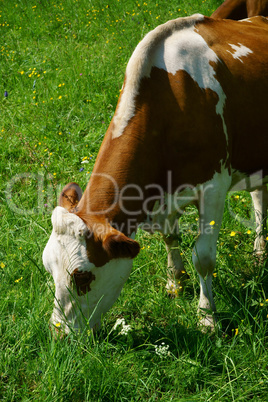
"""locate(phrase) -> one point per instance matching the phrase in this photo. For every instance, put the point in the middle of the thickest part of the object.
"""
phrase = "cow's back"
(200, 94)
(240, 9)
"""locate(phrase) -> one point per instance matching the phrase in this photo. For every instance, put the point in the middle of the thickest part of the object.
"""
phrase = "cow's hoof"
(176, 286)
(207, 322)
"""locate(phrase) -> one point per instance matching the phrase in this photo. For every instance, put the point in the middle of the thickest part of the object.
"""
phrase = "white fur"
(239, 51)
(75, 312)
(140, 65)
(64, 253)
(260, 201)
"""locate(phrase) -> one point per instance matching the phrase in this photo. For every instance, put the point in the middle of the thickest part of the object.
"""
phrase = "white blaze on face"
(66, 252)
(239, 51)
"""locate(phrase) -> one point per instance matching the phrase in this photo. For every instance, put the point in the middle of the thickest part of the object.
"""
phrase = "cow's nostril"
(82, 280)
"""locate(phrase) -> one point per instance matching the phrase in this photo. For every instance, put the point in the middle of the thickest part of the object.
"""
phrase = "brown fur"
(120, 246)
(240, 9)
(82, 281)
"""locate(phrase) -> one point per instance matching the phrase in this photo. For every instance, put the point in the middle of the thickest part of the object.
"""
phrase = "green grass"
(62, 65)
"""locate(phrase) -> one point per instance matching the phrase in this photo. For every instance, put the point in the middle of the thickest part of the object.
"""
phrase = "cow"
(190, 124)
(241, 9)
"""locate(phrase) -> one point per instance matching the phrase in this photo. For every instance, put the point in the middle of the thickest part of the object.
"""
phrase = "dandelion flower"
(232, 233)
(2, 265)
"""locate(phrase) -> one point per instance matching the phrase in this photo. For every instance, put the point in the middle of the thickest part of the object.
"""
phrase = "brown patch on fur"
(82, 281)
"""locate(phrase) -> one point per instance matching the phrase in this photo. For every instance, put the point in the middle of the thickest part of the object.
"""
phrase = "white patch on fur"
(187, 50)
(140, 65)
(66, 245)
(75, 312)
(173, 46)
(239, 51)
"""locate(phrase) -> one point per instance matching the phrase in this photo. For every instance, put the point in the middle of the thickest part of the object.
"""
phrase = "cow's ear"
(70, 196)
(120, 246)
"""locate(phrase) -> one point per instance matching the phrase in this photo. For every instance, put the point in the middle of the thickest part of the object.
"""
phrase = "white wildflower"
(162, 350)
(125, 328)
(119, 321)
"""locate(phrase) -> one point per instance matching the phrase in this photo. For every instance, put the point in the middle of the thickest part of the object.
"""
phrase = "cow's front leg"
(176, 272)
(211, 207)
(260, 201)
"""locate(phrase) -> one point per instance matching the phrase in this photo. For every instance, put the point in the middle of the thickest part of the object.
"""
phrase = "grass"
(62, 66)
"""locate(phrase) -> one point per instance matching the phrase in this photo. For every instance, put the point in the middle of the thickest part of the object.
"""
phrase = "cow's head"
(89, 264)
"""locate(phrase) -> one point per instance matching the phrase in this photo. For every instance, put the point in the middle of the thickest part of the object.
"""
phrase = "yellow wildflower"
(232, 233)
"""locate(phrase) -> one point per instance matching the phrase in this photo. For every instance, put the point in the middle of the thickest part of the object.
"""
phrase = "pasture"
(62, 67)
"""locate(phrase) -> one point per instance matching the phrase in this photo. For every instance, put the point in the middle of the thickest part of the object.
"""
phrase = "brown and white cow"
(191, 122)
(240, 9)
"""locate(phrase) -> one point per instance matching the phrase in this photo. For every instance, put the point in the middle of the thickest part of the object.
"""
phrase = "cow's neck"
(116, 190)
